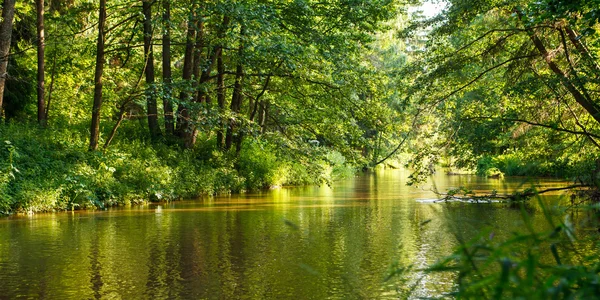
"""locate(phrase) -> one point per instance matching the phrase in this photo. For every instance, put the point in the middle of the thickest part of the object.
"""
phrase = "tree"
(40, 61)
(167, 74)
(8, 14)
(183, 110)
(97, 106)
(220, 98)
(237, 96)
(510, 81)
(149, 71)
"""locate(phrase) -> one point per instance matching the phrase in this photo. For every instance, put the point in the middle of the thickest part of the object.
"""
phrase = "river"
(310, 242)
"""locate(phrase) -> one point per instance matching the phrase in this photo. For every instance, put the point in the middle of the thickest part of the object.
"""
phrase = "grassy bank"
(578, 168)
(50, 169)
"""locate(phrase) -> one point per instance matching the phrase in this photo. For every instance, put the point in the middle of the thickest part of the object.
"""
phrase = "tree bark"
(51, 87)
(220, 98)
(201, 74)
(8, 14)
(198, 61)
(41, 107)
(97, 106)
(150, 87)
(166, 63)
(237, 96)
(197, 96)
(221, 83)
(183, 115)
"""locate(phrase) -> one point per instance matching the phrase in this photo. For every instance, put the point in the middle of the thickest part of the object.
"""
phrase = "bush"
(259, 165)
(518, 164)
(44, 170)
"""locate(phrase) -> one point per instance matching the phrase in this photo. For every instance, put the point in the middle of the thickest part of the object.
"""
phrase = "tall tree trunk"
(197, 95)
(166, 63)
(183, 115)
(150, 87)
(198, 61)
(41, 107)
(221, 84)
(220, 98)
(97, 106)
(8, 14)
(237, 97)
(51, 87)
(201, 73)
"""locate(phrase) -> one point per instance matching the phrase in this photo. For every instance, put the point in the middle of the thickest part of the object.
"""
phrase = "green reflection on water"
(304, 242)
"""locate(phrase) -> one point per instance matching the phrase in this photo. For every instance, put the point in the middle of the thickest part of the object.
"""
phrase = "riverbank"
(51, 170)
(326, 242)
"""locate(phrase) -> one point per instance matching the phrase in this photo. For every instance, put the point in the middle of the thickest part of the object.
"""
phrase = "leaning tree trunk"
(97, 106)
(583, 51)
(150, 87)
(166, 63)
(588, 104)
(41, 107)
(8, 14)
(580, 96)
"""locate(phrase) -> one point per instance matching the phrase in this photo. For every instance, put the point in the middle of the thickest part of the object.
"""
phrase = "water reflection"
(304, 242)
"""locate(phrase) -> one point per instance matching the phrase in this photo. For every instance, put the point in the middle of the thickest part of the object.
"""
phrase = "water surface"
(324, 242)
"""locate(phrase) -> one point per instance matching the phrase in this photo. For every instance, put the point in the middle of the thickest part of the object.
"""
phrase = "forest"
(126, 102)
(113, 103)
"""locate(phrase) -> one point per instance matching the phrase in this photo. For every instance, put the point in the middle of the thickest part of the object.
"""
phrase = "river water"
(314, 242)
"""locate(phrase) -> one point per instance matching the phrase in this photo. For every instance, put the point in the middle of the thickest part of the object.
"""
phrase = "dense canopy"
(182, 98)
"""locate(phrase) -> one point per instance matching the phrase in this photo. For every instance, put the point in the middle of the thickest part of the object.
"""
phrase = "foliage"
(274, 93)
(508, 86)
(47, 172)
(531, 265)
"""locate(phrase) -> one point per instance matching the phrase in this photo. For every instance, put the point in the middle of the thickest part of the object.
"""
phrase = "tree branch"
(481, 75)
(535, 124)
(493, 197)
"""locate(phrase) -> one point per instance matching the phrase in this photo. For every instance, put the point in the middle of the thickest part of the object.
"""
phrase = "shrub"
(44, 169)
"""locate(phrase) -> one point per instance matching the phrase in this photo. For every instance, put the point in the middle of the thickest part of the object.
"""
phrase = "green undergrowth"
(517, 164)
(49, 170)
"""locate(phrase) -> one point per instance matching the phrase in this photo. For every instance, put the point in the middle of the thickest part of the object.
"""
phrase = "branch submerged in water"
(464, 195)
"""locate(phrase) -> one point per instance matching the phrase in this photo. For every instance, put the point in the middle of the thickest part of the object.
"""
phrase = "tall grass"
(560, 262)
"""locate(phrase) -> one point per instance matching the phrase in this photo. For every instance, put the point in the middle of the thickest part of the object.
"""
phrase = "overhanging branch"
(535, 124)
